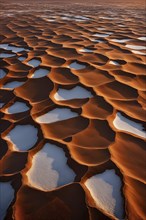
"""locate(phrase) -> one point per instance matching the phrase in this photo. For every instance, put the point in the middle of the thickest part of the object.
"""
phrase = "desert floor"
(72, 90)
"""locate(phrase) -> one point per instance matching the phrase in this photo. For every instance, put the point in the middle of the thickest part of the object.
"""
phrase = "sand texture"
(73, 110)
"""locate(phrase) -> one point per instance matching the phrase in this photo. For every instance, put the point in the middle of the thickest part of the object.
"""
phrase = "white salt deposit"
(105, 190)
(6, 197)
(142, 38)
(17, 107)
(120, 40)
(101, 29)
(50, 20)
(85, 50)
(101, 35)
(6, 55)
(109, 33)
(1, 104)
(121, 25)
(79, 20)
(81, 17)
(96, 41)
(14, 49)
(34, 62)
(2, 73)
(3, 46)
(49, 169)
(77, 66)
(57, 114)
(66, 18)
(21, 58)
(124, 124)
(76, 93)
(107, 18)
(12, 85)
(75, 18)
(138, 52)
(136, 47)
(23, 137)
(115, 63)
(40, 73)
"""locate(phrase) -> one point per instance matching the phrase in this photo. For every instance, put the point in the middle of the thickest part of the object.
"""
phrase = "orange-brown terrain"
(73, 91)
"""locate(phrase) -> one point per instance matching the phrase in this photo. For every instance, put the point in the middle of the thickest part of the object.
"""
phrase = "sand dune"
(73, 110)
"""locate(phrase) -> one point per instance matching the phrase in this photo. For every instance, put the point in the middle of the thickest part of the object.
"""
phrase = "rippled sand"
(72, 89)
